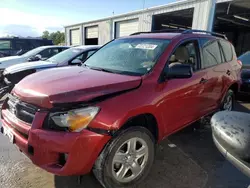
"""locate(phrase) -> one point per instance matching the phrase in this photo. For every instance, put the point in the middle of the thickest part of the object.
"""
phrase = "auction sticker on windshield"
(146, 46)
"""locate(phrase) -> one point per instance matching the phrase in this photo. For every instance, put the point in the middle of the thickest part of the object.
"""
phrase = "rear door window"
(211, 53)
(227, 50)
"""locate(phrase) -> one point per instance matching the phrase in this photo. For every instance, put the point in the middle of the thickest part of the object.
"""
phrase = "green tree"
(45, 35)
(57, 37)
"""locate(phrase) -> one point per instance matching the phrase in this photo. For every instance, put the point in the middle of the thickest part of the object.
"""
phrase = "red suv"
(108, 114)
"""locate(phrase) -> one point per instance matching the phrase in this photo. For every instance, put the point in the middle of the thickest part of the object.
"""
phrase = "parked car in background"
(72, 56)
(10, 46)
(40, 53)
(231, 135)
(108, 114)
(245, 75)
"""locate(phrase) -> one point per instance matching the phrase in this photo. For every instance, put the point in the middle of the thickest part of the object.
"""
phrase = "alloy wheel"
(228, 103)
(130, 160)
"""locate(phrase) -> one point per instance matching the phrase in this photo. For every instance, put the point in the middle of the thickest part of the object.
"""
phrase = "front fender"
(114, 121)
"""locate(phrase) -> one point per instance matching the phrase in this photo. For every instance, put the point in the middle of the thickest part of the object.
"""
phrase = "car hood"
(71, 84)
(12, 60)
(29, 65)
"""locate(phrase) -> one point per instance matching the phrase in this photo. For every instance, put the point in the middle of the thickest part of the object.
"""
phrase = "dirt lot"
(193, 163)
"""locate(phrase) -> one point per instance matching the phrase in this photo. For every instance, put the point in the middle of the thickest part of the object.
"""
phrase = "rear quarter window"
(227, 50)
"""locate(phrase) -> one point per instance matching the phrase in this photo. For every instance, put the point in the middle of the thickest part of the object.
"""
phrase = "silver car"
(72, 56)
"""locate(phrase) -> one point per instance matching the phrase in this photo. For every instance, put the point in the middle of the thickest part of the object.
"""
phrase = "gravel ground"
(191, 161)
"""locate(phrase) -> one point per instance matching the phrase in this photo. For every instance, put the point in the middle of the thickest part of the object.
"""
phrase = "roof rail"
(203, 31)
(182, 31)
(160, 31)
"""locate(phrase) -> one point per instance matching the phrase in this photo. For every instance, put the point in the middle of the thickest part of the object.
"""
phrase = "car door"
(233, 67)
(183, 99)
(216, 67)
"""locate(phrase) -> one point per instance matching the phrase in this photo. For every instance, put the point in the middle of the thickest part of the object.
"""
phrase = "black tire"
(230, 94)
(103, 165)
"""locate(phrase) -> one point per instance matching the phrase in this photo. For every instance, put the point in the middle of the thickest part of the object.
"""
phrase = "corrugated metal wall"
(107, 27)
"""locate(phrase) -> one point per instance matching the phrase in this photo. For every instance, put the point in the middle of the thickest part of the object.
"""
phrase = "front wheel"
(126, 160)
(229, 101)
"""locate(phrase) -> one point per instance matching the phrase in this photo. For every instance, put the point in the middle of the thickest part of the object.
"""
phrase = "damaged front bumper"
(60, 153)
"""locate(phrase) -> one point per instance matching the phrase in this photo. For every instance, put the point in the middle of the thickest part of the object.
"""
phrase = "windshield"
(128, 56)
(33, 52)
(65, 55)
(245, 58)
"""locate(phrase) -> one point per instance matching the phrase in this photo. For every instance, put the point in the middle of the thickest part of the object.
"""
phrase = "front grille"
(21, 110)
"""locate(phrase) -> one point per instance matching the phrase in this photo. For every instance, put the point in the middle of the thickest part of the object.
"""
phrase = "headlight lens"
(75, 120)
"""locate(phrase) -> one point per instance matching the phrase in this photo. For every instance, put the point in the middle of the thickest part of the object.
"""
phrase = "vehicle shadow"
(172, 168)
(196, 141)
(243, 98)
(186, 159)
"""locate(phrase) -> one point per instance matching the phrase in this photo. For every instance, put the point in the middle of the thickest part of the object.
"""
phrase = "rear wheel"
(127, 159)
(228, 101)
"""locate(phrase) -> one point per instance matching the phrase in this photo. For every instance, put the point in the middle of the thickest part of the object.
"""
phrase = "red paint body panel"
(71, 84)
(82, 148)
(174, 104)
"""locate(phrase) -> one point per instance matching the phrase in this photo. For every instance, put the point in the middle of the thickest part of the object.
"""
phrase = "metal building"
(226, 16)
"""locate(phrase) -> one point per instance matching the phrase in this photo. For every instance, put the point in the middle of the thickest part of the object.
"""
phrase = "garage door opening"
(233, 20)
(74, 37)
(91, 35)
(181, 19)
(127, 27)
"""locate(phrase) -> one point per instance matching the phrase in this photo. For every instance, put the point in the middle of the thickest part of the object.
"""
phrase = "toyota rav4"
(108, 114)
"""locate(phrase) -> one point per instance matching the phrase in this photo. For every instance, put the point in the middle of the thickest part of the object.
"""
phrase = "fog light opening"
(63, 157)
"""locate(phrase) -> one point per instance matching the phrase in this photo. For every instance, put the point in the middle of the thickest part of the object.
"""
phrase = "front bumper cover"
(44, 147)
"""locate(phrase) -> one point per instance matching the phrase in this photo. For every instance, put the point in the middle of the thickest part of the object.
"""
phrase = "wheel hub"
(130, 160)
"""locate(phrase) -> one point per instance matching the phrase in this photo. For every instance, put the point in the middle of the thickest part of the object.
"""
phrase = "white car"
(40, 53)
(72, 56)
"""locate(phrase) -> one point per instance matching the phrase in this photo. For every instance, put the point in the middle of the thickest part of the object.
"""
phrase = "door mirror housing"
(76, 62)
(37, 57)
(178, 71)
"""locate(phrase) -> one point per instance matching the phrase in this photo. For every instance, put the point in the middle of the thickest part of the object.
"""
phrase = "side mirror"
(76, 62)
(178, 71)
(35, 58)
(38, 57)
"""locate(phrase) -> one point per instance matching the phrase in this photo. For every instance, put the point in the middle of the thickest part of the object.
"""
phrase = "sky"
(32, 17)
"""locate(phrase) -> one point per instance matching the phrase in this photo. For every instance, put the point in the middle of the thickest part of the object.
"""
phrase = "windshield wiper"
(99, 69)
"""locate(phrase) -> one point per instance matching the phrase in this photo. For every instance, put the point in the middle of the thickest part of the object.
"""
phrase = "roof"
(54, 46)
(88, 47)
(170, 34)
(180, 2)
(23, 38)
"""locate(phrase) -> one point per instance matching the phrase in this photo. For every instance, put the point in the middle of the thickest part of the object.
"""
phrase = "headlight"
(75, 120)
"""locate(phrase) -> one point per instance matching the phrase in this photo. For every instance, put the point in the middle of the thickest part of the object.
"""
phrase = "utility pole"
(143, 4)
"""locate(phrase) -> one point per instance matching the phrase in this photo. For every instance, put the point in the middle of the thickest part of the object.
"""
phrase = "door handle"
(203, 80)
(228, 72)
